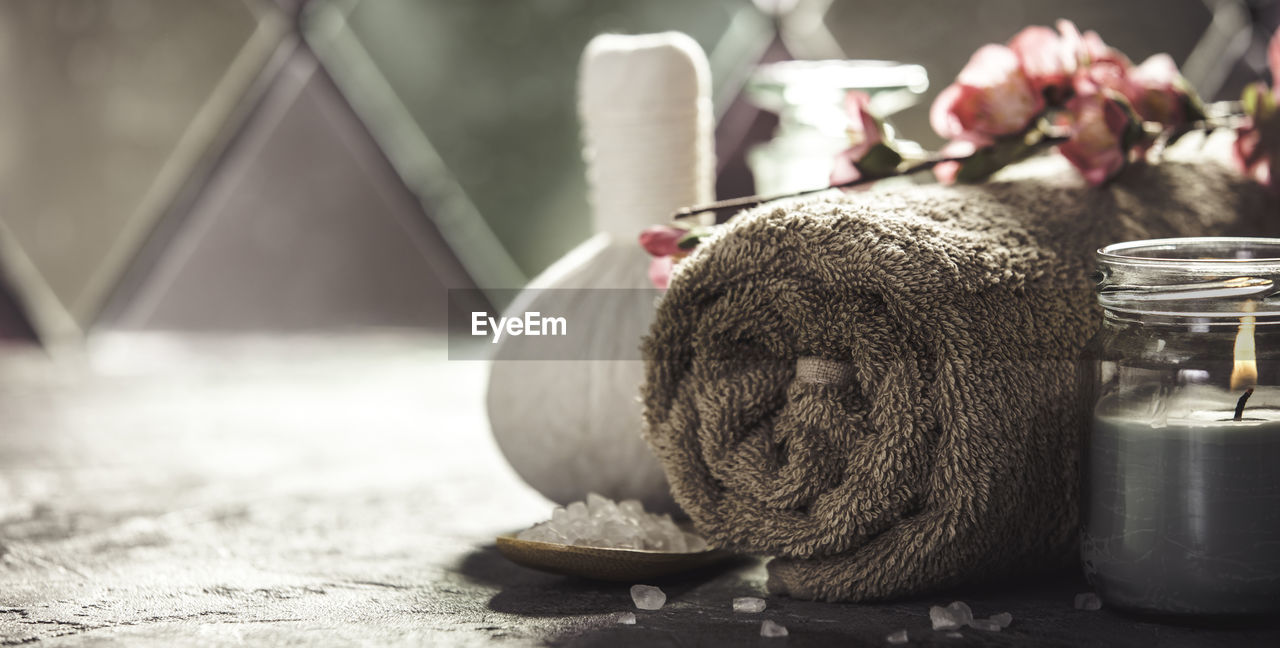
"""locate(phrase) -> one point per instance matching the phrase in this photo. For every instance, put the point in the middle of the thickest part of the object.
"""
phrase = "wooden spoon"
(603, 563)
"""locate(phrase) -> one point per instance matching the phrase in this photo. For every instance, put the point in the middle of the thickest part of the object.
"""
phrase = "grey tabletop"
(314, 491)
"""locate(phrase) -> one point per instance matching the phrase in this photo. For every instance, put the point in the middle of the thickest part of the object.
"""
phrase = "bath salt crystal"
(748, 604)
(1088, 601)
(627, 618)
(672, 537)
(961, 612)
(617, 534)
(600, 506)
(631, 509)
(985, 624)
(648, 597)
(771, 629)
(943, 618)
(559, 516)
(1004, 619)
(899, 637)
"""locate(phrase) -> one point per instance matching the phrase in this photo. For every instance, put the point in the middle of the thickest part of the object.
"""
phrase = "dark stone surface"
(258, 491)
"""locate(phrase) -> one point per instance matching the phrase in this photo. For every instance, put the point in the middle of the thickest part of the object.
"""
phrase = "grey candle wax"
(1182, 514)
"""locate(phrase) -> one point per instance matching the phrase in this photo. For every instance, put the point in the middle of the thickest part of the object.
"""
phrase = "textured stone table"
(160, 491)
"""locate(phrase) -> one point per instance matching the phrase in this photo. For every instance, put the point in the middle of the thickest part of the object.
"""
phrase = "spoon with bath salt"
(605, 540)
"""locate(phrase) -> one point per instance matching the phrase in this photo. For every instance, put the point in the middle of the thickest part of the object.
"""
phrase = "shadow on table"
(1041, 604)
(530, 592)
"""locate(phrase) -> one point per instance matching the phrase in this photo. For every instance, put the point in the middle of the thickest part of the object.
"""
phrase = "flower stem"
(1222, 114)
(724, 209)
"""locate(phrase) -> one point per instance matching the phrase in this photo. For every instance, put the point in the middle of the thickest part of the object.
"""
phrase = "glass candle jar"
(1181, 468)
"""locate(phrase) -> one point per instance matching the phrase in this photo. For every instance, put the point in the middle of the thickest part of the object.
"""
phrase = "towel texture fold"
(879, 389)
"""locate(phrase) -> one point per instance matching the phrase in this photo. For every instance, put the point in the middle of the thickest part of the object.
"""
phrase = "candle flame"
(1244, 373)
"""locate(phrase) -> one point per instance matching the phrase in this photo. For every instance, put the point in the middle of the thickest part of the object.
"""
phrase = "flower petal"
(662, 240)
(1273, 60)
(844, 170)
(1156, 90)
(1044, 60)
(942, 114)
(989, 66)
(660, 269)
(1097, 146)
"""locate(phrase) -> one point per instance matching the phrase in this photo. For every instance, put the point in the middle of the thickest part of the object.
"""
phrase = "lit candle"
(1182, 501)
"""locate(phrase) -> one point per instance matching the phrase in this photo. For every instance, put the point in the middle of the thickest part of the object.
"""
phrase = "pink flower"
(844, 170)
(662, 240)
(1251, 157)
(864, 134)
(1088, 48)
(863, 129)
(1102, 76)
(1097, 147)
(1045, 61)
(660, 269)
(991, 97)
(1273, 60)
(1157, 91)
(1256, 151)
(1257, 147)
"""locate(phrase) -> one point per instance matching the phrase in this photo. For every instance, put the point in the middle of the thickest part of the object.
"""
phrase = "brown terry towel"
(879, 389)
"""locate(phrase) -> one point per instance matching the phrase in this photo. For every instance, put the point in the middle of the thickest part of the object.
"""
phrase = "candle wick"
(1240, 404)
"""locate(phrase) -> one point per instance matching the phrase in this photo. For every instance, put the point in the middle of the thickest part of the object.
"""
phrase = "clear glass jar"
(1181, 467)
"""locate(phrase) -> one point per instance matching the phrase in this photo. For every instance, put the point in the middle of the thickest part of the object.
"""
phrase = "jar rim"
(1125, 252)
(1202, 277)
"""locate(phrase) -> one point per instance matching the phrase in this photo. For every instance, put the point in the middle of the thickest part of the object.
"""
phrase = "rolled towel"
(879, 389)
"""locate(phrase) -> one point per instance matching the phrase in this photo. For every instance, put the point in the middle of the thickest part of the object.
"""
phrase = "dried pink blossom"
(1045, 59)
(991, 97)
(660, 269)
(1157, 91)
(1099, 124)
(864, 133)
(662, 240)
(1257, 147)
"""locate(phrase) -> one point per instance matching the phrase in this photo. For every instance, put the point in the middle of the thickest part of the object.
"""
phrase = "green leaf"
(692, 237)
(1133, 131)
(1252, 98)
(882, 160)
(1267, 106)
(1192, 105)
(987, 160)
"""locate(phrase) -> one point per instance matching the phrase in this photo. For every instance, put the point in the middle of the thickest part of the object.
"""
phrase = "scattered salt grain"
(985, 624)
(944, 618)
(771, 629)
(648, 597)
(1004, 619)
(748, 604)
(1088, 601)
(960, 610)
(627, 618)
(601, 522)
(899, 637)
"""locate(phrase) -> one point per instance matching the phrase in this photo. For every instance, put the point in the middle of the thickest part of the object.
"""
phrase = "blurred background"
(303, 165)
